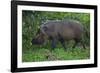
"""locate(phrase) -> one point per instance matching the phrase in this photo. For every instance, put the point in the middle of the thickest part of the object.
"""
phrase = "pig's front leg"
(53, 43)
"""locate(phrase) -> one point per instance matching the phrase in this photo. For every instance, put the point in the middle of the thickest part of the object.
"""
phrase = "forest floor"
(41, 54)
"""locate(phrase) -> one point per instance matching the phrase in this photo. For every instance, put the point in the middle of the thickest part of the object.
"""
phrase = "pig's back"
(69, 29)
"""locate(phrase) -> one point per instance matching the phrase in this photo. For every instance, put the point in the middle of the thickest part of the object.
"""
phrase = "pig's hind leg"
(76, 42)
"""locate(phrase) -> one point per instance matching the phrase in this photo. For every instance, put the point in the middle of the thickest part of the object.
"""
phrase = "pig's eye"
(45, 28)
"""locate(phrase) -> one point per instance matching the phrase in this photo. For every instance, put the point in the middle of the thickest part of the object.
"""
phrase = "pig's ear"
(45, 28)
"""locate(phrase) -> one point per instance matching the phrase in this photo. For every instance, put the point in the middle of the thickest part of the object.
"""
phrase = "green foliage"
(31, 20)
(57, 54)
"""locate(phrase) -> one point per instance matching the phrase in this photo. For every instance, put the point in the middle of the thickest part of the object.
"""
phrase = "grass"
(41, 54)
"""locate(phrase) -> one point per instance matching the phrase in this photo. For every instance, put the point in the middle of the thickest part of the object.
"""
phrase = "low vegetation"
(58, 54)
